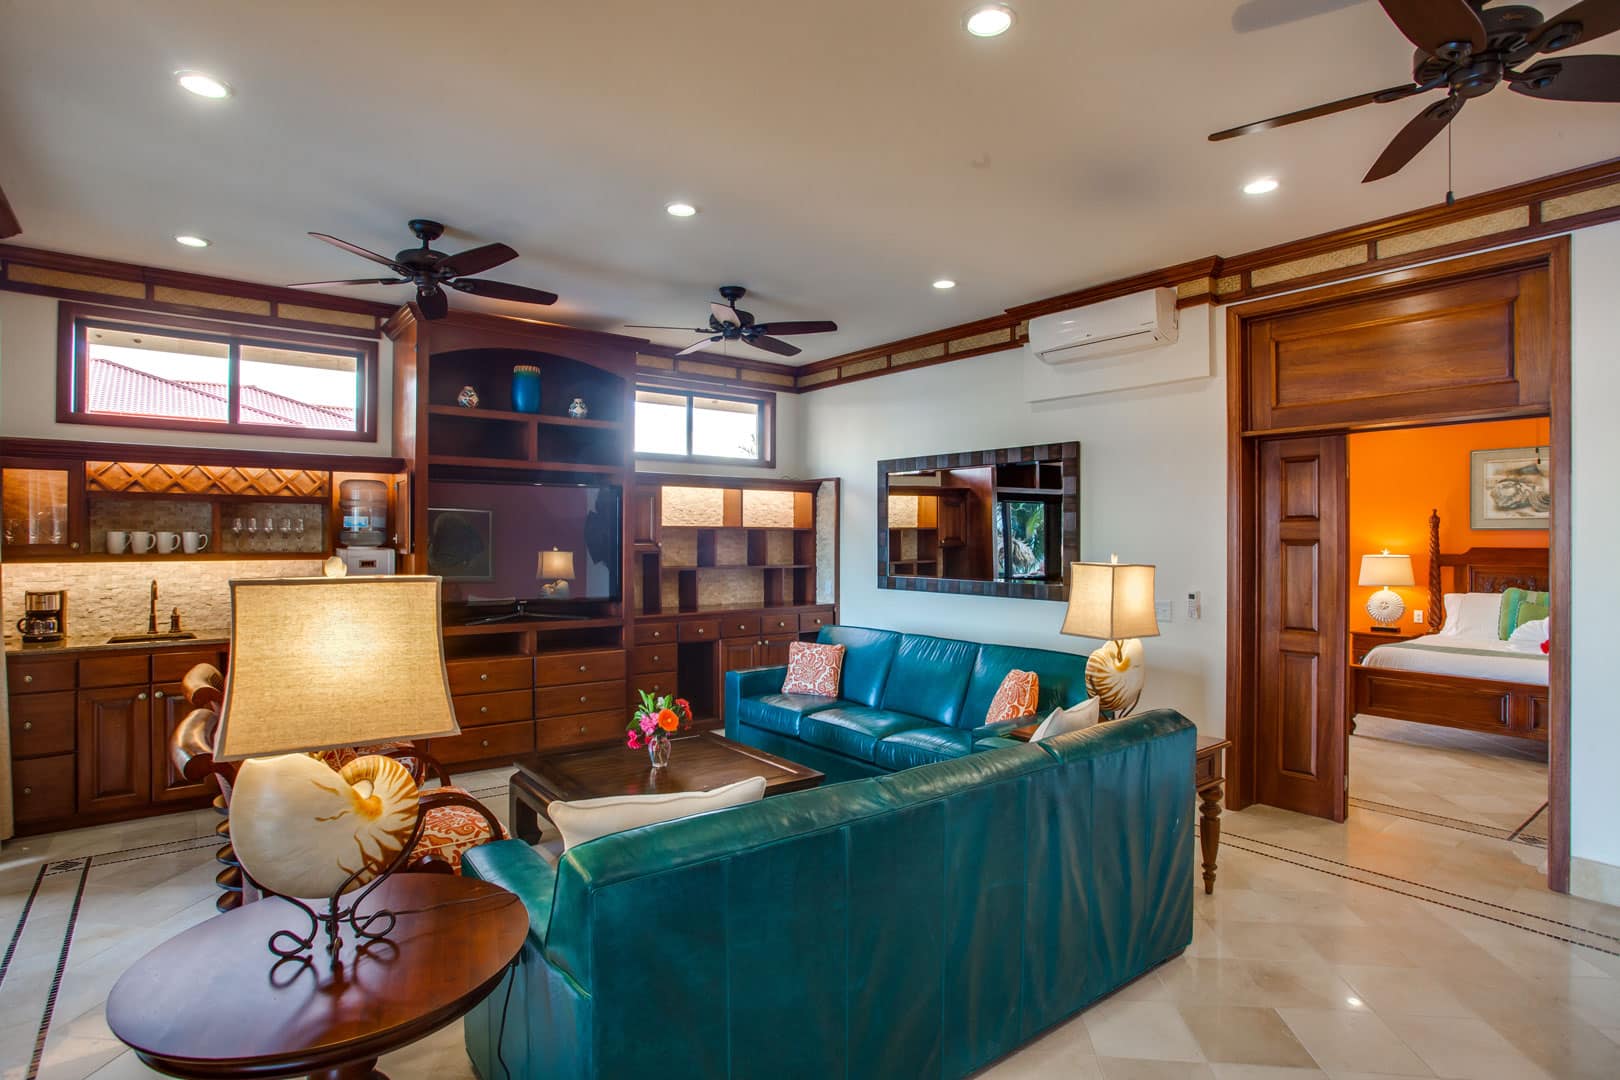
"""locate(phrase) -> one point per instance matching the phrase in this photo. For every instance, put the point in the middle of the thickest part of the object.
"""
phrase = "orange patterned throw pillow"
(1020, 692)
(814, 669)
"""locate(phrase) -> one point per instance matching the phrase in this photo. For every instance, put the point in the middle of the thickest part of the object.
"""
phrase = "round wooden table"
(214, 1002)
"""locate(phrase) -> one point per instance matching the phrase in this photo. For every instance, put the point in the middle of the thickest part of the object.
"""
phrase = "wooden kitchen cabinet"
(115, 748)
(42, 508)
(169, 707)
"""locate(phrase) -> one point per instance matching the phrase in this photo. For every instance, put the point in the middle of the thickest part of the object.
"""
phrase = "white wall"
(28, 394)
(1152, 489)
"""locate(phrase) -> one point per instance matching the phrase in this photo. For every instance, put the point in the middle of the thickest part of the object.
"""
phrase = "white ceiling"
(843, 154)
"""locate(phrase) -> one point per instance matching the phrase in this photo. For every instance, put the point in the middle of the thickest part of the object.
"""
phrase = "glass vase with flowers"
(654, 721)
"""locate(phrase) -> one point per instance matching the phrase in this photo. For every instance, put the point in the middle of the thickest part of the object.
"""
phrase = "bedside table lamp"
(1113, 601)
(320, 664)
(556, 570)
(1386, 606)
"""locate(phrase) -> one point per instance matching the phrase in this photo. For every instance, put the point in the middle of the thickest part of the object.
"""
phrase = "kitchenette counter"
(75, 644)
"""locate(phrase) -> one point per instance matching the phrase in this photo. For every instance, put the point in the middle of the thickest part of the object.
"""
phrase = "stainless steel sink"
(135, 639)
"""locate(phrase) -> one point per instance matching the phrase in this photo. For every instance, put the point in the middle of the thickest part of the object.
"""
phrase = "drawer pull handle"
(658, 633)
(483, 676)
(28, 791)
(582, 667)
(158, 694)
(141, 696)
(483, 708)
(28, 725)
(484, 743)
(28, 678)
(582, 729)
(582, 697)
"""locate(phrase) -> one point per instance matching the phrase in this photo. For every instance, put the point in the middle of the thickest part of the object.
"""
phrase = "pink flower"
(634, 741)
(648, 725)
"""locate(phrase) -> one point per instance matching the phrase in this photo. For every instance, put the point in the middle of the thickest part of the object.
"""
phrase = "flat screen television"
(497, 540)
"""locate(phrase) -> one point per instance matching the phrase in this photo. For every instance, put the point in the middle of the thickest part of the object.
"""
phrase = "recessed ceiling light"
(944, 283)
(988, 20)
(1264, 185)
(188, 240)
(202, 84)
(680, 209)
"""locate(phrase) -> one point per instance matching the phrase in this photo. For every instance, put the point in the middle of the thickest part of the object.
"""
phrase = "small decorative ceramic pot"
(526, 388)
(577, 409)
(468, 398)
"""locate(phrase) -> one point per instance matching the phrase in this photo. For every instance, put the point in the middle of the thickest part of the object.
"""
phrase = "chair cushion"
(855, 730)
(587, 819)
(867, 656)
(923, 746)
(1062, 677)
(449, 832)
(813, 669)
(929, 676)
(780, 713)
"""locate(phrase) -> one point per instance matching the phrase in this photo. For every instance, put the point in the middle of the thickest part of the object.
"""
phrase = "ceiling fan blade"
(1433, 24)
(350, 281)
(356, 249)
(433, 302)
(476, 260)
(500, 290)
(698, 345)
(725, 313)
(1394, 93)
(781, 328)
(1573, 78)
(687, 329)
(1418, 133)
(1594, 18)
(770, 344)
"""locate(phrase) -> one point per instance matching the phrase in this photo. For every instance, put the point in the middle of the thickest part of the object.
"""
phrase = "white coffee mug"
(117, 542)
(167, 542)
(193, 542)
(141, 542)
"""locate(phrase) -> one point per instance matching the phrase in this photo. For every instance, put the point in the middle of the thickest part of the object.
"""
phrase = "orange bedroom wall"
(1397, 477)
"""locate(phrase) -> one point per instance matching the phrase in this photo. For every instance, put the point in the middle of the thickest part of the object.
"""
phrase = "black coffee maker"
(44, 616)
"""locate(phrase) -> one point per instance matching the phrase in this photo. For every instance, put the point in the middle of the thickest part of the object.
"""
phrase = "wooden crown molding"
(15, 451)
(9, 225)
(740, 372)
(1560, 203)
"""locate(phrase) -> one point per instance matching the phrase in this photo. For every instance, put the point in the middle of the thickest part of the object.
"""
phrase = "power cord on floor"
(500, 1035)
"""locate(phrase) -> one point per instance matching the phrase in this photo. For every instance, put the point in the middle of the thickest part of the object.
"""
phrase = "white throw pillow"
(1529, 636)
(586, 819)
(1473, 615)
(1063, 721)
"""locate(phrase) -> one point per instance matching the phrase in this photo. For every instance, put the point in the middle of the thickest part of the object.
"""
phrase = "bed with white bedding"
(1468, 658)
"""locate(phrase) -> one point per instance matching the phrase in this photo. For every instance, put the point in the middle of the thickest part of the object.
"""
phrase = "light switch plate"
(1164, 611)
(1417, 616)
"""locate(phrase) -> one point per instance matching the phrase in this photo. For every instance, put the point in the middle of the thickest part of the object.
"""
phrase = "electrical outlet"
(1417, 616)
(1195, 605)
(1164, 611)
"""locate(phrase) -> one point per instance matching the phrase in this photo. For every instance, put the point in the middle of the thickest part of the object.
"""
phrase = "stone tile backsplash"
(111, 597)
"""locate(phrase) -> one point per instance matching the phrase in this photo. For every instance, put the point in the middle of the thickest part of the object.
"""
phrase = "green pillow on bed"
(1520, 606)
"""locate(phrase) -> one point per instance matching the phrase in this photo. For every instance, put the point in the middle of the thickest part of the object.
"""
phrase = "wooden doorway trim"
(1550, 255)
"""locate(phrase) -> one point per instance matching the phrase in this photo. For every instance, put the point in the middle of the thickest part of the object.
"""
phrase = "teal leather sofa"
(919, 924)
(905, 700)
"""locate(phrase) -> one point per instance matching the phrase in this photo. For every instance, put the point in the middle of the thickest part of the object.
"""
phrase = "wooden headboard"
(1481, 569)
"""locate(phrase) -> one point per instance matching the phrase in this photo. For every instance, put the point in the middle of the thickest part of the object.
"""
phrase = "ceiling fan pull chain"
(1451, 194)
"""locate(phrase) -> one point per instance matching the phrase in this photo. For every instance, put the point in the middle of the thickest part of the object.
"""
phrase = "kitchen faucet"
(151, 618)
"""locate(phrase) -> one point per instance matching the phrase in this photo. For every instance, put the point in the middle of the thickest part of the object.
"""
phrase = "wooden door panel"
(115, 749)
(169, 708)
(1300, 715)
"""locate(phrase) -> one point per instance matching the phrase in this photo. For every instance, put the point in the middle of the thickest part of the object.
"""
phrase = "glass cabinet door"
(41, 508)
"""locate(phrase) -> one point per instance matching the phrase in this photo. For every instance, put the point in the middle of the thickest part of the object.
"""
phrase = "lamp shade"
(1386, 569)
(320, 663)
(1112, 601)
(557, 565)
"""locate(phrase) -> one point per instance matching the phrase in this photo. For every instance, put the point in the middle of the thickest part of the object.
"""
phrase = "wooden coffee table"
(697, 762)
(213, 1002)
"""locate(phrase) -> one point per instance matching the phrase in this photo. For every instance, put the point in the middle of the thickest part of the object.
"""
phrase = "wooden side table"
(1209, 778)
(213, 1002)
(1363, 642)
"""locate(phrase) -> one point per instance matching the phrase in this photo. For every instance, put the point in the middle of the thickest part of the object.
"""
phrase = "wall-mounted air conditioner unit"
(1125, 324)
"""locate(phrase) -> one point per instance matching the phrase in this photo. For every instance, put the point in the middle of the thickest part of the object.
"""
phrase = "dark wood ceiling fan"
(1468, 49)
(431, 270)
(726, 323)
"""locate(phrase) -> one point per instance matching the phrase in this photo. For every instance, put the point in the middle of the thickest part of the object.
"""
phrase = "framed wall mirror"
(982, 523)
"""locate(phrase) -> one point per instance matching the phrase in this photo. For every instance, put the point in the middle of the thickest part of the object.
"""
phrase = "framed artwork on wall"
(461, 544)
(1510, 489)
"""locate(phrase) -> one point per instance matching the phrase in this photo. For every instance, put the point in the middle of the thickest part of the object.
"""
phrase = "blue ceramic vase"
(526, 388)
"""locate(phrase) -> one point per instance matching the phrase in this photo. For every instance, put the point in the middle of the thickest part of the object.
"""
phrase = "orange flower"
(668, 720)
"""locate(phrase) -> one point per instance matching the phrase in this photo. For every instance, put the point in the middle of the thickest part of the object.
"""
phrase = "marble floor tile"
(1243, 1035)
(1353, 1039)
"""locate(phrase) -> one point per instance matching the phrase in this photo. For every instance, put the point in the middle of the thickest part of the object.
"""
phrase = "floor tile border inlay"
(61, 964)
(22, 921)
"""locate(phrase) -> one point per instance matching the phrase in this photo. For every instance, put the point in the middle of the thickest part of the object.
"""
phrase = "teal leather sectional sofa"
(920, 924)
(905, 700)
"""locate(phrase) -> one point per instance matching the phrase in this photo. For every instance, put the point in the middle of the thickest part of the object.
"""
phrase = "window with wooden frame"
(685, 423)
(127, 369)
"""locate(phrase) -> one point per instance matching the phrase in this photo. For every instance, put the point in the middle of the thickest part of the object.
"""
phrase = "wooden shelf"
(1048, 493)
(518, 464)
(507, 416)
(524, 626)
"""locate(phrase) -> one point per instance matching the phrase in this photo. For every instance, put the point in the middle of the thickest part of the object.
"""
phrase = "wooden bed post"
(1437, 595)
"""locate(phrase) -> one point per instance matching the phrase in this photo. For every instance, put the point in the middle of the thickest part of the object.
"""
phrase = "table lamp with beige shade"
(320, 664)
(1113, 601)
(1386, 606)
(556, 571)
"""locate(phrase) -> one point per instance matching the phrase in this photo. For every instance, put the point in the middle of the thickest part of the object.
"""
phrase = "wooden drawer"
(654, 633)
(700, 630)
(1204, 770)
(779, 624)
(654, 658)
(563, 669)
(475, 710)
(490, 674)
(494, 741)
(171, 665)
(40, 676)
(815, 620)
(115, 670)
(579, 698)
(740, 626)
(43, 724)
(583, 730)
(654, 683)
(43, 788)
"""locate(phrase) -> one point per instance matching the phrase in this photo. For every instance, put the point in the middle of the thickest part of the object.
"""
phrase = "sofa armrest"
(750, 682)
(517, 868)
(999, 728)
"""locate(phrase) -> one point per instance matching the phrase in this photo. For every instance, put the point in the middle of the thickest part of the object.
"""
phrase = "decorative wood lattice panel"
(129, 477)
